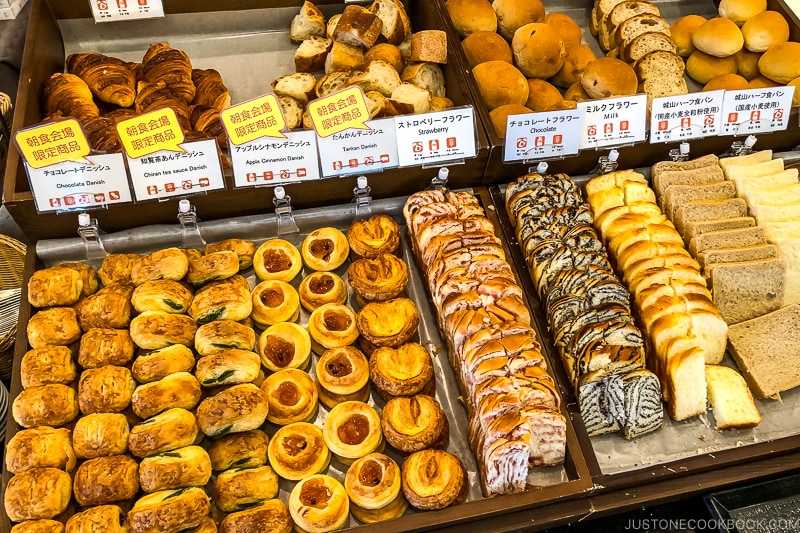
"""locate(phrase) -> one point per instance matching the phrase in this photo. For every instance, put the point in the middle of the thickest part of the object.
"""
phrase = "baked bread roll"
(48, 405)
(681, 31)
(103, 518)
(185, 467)
(607, 76)
(309, 22)
(277, 259)
(166, 295)
(482, 46)
(40, 447)
(221, 335)
(499, 116)
(100, 435)
(403, 371)
(434, 479)
(411, 424)
(292, 396)
(739, 11)
(718, 37)
(727, 82)
(170, 430)
(47, 365)
(152, 330)
(110, 307)
(702, 68)
(105, 346)
(56, 326)
(542, 96)
(169, 511)
(109, 78)
(470, 16)
(320, 288)
(228, 367)
(180, 389)
(374, 486)
(352, 430)
(275, 301)
(158, 364)
(107, 389)
(513, 14)
(332, 326)
(54, 286)
(239, 408)
(390, 323)
(575, 62)
(379, 279)
(342, 375)
(68, 95)
(227, 299)
(286, 345)
(272, 515)
(237, 489)
(36, 494)
(239, 450)
(538, 50)
(243, 248)
(169, 263)
(325, 249)
(500, 83)
(105, 480)
(764, 30)
(298, 451)
(216, 265)
(319, 503)
(781, 63)
(38, 526)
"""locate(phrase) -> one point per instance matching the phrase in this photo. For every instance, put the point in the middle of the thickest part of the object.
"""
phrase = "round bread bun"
(514, 14)
(762, 82)
(542, 96)
(500, 83)
(796, 96)
(764, 30)
(538, 50)
(566, 27)
(728, 82)
(781, 63)
(702, 68)
(682, 31)
(576, 93)
(574, 64)
(483, 46)
(387, 52)
(740, 11)
(747, 63)
(469, 16)
(608, 76)
(500, 115)
(718, 37)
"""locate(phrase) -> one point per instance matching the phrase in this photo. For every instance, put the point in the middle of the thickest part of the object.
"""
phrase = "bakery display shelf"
(677, 448)
(546, 485)
(248, 42)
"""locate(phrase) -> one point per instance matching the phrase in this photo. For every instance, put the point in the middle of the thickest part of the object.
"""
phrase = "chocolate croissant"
(69, 95)
(211, 90)
(162, 63)
(109, 78)
(102, 134)
(159, 94)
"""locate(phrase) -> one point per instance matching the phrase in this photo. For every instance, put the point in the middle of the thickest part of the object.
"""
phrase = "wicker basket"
(12, 261)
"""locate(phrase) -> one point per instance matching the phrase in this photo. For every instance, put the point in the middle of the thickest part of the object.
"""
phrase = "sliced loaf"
(748, 159)
(691, 176)
(646, 43)
(727, 238)
(730, 399)
(660, 65)
(677, 195)
(708, 210)
(748, 289)
(704, 226)
(733, 255)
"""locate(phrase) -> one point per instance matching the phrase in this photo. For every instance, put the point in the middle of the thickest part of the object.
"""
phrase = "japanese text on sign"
(339, 111)
(254, 119)
(614, 121)
(276, 161)
(435, 137)
(359, 151)
(542, 135)
(53, 143)
(113, 10)
(686, 116)
(756, 110)
(152, 132)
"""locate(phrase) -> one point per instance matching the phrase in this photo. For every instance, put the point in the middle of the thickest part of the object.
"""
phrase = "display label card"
(435, 137)
(614, 121)
(269, 161)
(151, 132)
(547, 135)
(99, 181)
(359, 151)
(52, 143)
(339, 111)
(254, 119)
(686, 116)
(114, 10)
(756, 110)
(166, 173)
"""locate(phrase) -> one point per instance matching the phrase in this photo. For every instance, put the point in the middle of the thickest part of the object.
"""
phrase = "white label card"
(756, 110)
(273, 161)
(72, 185)
(435, 137)
(547, 135)
(686, 116)
(359, 151)
(114, 10)
(167, 173)
(614, 121)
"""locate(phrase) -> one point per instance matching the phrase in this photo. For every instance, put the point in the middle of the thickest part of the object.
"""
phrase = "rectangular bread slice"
(774, 195)
(677, 195)
(730, 399)
(748, 289)
(748, 159)
(716, 256)
(747, 185)
(778, 213)
(727, 238)
(765, 168)
(644, 44)
(695, 176)
(692, 164)
(789, 251)
(704, 226)
(767, 351)
(708, 210)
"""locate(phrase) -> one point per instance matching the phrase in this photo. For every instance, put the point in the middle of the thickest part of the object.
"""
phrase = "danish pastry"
(221, 335)
(228, 367)
(379, 234)
(106, 518)
(274, 302)
(391, 323)
(185, 467)
(91, 282)
(100, 435)
(48, 405)
(152, 330)
(110, 307)
(411, 424)
(342, 375)
(38, 526)
(238, 408)
(332, 326)
(216, 265)
(298, 451)
(272, 515)
(320, 288)
(379, 279)
(54, 286)
(107, 389)
(169, 511)
(319, 503)
(226, 299)
(325, 249)
(374, 486)
(277, 259)
(105, 346)
(39, 493)
(180, 389)
(165, 295)
(56, 326)
(244, 250)
(158, 364)
(109, 78)
(352, 430)
(68, 95)
(403, 371)
(170, 430)
(169, 263)
(284, 345)
(237, 489)
(47, 365)
(116, 268)
(239, 450)
(105, 480)
(292, 396)
(40, 447)
(434, 479)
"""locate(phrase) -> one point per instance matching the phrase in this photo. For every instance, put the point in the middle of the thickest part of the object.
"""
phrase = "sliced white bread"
(761, 168)
(704, 226)
(778, 213)
(783, 194)
(644, 249)
(727, 238)
(730, 399)
(691, 176)
(608, 219)
(745, 184)
(685, 380)
(681, 275)
(627, 193)
(748, 159)
(692, 292)
(677, 195)
(708, 210)
(612, 179)
(747, 289)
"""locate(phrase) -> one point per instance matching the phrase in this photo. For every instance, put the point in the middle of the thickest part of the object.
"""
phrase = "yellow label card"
(151, 132)
(339, 111)
(254, 119)
(53, 143)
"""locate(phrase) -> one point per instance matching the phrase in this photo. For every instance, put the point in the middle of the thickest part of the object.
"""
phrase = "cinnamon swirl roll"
(342, 375)
(320, 288)
(352, 430)
(285, 345)
(274, 302)
(319, 504)
(374, 486)
(325, 249)
(403, 371)
(277, 259)
(272, 515)
(434, 479)
(411, 424)
(298, 450)
(292, 396)
(379, 279)
(379, 234)
(332, 326)
(389, 323)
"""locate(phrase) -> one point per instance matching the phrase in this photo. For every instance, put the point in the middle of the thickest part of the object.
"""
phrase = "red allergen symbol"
(416, 147)
(522, 142)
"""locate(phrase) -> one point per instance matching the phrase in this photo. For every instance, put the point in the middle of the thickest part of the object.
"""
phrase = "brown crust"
(56, 326)
(170, 510)
(241, 450)
(50, 364)
(155, 329)
(238, 408)
(48, 405)
(427, 470)
(41, 493)
(167, 431)
(176, 390)
(100, 434)
(272, 515)
(389, 323)
(379, 279)
(105, 480)
(379, 234)
(402, 371)
(415, 423)
(329, 316)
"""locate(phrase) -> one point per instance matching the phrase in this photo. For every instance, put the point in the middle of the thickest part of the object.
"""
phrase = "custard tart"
(273, 302)
(352, 430)
(374, 486)
(391, 323)
(332, 326)
(411, 424)
(284, 345)
(272, 516)
(434, 479)
(164, 295)
(403, 371)
(319, 504)
(292, 396)
(379, 234)
(379, 279)
(298, 450)
(342, 375)
(320, 288)
(169, 263)
(277, 259)
(216, 265)
(325, 249)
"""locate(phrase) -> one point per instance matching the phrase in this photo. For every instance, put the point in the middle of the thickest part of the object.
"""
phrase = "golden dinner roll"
(607, 76)
(228, 367)
(575, 62)
(116, 268)
(56, 326)
(47, 405)
(764, 30)
(100, 435)
(40, 447)
(319, 503)
(237, 489)
(728, 82)
(243, 248)
(225, 299)
(566, 27)
(718, 37)
(272, 515)
(170, 430)
(158, 364)
(576, 93)
(165, 295)
(298, 450)
(739, 11)
(285, 345)
(499, 116)
(277, 259)
(91, 282)
(36, 494)
(292, 396)
(411, 424)
(703, 68)
(38, 526)
(216, 265)
(538, 50)
(106, 389)
(482, 46)
(105, 346)
(152, 330)
(169, 511)
(542, 95)
(105, 480)
(180, 389)
(221, 335)
(239, 450)
(238, 408)
(513, 14)
(762, 82)
(470, 16)
(374, 486)
(189, 466)
(99, 519)
(169, 263)
(110, 307)
(352, 430)
(403, 371)
(274, 301)
(54, 286)
(320, 288)
(47, 365)
(500, 83)
(781, 63)
(747, 63)
(682, 30)
(332, 326)
(342, 375)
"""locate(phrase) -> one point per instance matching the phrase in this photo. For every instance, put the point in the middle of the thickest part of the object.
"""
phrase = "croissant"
(69, 95)
(153, 96)
(206, 119)
(102, 134)
(120, 114)
(162, 63)
(109, 78)
(211, 90)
